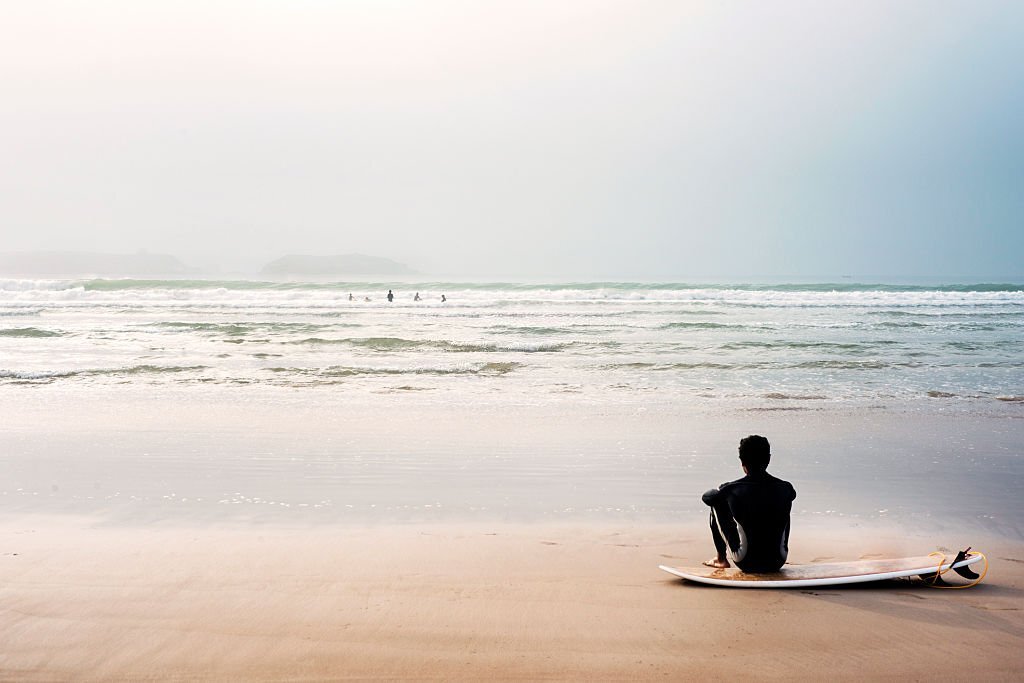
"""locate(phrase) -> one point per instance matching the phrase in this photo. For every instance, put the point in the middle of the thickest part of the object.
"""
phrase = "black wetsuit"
(751, 515)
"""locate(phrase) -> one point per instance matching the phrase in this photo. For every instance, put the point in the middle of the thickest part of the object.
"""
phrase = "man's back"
(753, 516)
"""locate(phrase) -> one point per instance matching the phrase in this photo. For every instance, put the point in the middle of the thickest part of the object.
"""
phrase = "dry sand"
(85, 602)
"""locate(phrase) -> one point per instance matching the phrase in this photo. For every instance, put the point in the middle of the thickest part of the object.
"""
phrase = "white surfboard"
(801, 575)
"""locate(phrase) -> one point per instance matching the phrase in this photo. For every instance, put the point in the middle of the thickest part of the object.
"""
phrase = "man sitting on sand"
(750, 516)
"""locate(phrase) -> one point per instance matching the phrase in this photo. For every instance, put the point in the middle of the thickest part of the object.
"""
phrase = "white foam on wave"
(54, 292)
(39, 374)
(14, 312)
(139, 369)
(514, 347)
(26, 285)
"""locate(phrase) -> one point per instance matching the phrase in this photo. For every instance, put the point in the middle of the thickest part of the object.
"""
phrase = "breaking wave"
(396, 344)
(91, 372)
(30, 332)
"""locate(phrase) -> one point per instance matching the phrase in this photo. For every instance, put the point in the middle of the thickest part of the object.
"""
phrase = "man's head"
(755, 453)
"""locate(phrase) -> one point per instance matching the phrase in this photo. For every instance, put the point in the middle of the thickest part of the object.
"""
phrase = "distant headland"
(78, 263)
(144, 264)
(342, 264)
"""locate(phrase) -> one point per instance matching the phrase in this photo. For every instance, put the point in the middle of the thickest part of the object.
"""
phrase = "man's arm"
(722, 521)
(712, 497)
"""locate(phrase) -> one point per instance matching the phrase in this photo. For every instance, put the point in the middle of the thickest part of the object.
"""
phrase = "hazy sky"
(658, 140)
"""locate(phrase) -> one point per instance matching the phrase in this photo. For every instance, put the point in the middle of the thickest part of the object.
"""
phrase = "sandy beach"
(82, 602)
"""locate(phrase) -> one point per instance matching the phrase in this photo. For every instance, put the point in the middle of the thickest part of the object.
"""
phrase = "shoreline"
(133, 459)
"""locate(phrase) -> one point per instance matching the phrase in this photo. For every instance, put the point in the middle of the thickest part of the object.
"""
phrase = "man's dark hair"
(755, 452)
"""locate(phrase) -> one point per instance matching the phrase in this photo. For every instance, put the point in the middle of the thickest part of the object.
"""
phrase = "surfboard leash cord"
(933, 580)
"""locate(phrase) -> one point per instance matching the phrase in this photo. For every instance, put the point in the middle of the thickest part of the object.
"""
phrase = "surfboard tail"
(964, 571)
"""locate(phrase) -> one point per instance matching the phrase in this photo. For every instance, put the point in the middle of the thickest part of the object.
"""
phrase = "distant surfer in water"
(750, 516)
(391, 296)
(417, 297)
(443, 299)
(350, 297)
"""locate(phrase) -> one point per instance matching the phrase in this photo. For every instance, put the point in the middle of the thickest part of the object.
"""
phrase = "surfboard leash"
(933, 580)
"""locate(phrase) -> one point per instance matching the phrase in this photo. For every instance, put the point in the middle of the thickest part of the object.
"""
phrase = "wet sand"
(513, 602)
(281, 457)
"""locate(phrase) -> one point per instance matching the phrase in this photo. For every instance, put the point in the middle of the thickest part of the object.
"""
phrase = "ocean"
(750, 345)
(142, 401)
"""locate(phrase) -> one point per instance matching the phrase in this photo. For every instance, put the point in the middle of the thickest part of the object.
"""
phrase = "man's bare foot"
(717, 563)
